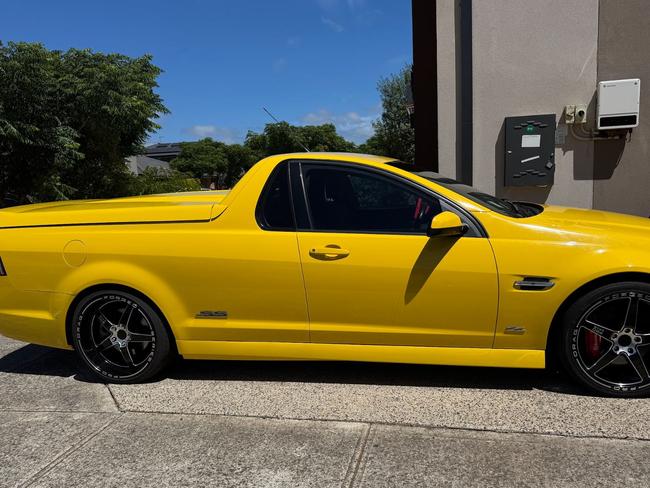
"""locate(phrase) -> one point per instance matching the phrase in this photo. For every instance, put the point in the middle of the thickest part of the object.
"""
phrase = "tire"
(119, 338)
(606, 340)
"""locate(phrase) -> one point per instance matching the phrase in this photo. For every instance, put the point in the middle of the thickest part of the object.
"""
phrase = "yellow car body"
(228, 288)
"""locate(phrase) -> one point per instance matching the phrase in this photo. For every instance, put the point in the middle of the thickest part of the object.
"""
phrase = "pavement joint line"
(349, 421)
(364, 461)
(65, 454)
(357, 458)
(110, 392)
(391, 424)
(49, 410)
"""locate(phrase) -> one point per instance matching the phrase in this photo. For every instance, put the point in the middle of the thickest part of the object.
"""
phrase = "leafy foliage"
(69, 119)
(240, 160)
(394, 135)
(202, 158)
(155, 180)
(223, 164)
(214, 161)
(282, 137)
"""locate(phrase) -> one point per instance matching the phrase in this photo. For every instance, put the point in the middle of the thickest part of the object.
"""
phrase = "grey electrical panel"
(530, 150)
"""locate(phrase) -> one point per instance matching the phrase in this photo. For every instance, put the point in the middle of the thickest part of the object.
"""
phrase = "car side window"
(274, 210)
(351, 200)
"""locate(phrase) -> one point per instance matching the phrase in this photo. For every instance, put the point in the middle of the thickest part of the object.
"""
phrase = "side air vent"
(534, 283)
(3, 271)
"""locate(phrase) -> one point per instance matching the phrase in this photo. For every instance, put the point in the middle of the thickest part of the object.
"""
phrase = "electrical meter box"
(530, 150)
(618, 104)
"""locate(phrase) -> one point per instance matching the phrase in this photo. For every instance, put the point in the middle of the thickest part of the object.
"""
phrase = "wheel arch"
(116, 286)
(553, 337)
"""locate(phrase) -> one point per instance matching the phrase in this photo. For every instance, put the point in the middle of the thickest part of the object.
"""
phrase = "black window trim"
(259, 215)
(297, 164)
(300, 199)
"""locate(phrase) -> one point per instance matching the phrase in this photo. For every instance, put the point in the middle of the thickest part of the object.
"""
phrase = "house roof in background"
(137, 164)
(163, 149)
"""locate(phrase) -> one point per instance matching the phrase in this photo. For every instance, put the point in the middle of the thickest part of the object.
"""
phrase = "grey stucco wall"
(533, 57)
(447, 139)
(536, 56)
(622, 171)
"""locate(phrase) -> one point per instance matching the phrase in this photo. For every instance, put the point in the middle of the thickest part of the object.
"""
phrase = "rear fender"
(128, 275)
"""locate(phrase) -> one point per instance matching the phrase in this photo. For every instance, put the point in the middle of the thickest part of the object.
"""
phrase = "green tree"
(324, 138)
(240, 160)
(35, 144)
(155, 180)
(222, 164)
(202, 159)
(69, 119)
(394, 135)
(282, 138)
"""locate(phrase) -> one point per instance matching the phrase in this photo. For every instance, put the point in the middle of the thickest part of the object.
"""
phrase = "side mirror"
(447, 224)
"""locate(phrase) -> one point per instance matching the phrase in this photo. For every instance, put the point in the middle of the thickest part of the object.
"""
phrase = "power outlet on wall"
(570, 114)
(575, 114)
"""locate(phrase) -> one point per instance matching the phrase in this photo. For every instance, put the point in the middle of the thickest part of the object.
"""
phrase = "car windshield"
(500, 205)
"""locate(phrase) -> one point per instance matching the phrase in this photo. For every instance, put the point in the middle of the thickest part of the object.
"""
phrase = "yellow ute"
(332, 257)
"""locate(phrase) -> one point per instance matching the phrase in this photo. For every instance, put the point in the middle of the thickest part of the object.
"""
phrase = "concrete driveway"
(300, 424)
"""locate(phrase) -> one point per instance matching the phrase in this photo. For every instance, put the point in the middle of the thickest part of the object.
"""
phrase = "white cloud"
(223, 134)
(294, 41)
(351, 125)
(368, 17)
(280, 64)
(356, 4)
(357, 11)
(336, 27)
(202, 130)
(328, 4)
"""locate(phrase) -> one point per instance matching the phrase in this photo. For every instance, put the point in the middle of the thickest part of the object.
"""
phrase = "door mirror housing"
(447, 224)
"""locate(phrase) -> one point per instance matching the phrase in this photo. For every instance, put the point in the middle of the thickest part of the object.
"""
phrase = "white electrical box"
(618, 104)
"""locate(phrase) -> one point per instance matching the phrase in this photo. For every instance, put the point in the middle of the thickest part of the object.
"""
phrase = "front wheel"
(119, 337)
(606, 340)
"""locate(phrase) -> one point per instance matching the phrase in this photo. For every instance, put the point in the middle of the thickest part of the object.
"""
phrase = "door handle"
(328, 252)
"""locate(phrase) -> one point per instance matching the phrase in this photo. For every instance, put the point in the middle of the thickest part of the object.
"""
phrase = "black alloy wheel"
(119, 337)
(606, 340)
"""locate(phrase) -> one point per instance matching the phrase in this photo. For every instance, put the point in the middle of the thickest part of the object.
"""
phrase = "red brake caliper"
(593, 342)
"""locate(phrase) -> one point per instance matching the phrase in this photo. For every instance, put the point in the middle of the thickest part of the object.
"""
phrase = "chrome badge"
(212, 314)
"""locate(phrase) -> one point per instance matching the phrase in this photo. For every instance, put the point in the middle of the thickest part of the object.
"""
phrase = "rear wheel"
(119, 337)
(606, 340)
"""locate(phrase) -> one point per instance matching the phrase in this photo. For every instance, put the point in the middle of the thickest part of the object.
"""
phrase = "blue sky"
(308, 61)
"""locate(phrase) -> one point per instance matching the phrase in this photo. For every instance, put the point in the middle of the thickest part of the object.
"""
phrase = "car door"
(372, 275)
(242, 277)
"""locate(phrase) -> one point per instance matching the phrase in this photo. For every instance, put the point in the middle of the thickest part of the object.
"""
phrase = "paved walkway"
(282, 424)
